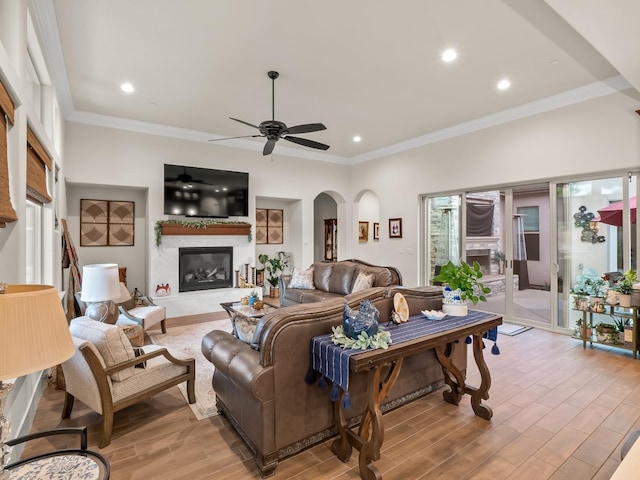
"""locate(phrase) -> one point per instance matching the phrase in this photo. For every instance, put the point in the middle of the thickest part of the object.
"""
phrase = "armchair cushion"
(152, 315)
(111, 342)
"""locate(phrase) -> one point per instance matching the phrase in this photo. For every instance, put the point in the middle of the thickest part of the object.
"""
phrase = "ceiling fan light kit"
(274, 130)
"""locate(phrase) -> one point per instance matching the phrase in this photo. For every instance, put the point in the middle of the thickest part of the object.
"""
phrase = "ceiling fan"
(274, 130)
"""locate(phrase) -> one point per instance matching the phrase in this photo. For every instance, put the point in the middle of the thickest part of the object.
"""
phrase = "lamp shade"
(34, 334)
(100, 282)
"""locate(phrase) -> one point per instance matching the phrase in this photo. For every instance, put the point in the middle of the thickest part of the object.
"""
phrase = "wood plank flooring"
(560, 412)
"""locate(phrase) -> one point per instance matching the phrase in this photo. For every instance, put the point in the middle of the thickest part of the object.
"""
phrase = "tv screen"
(205, 192)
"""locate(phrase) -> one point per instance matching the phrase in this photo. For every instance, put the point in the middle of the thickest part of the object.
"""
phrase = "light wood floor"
(560, 412)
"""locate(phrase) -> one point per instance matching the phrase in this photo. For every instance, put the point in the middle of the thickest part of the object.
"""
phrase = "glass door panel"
(443, 227)
(595, 236)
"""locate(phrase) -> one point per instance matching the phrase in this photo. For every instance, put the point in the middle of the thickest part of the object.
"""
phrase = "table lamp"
(100, 287)
(34, 336)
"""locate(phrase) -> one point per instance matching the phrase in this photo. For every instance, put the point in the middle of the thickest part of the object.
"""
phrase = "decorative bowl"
(434, 314)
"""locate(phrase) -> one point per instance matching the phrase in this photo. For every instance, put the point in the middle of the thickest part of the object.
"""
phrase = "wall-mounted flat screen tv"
(205, 192)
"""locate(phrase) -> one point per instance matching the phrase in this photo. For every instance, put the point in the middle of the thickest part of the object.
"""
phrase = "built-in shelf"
(212, 229)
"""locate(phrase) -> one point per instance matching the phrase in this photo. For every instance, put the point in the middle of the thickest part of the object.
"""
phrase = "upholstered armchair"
(106, 375)
(147, 314)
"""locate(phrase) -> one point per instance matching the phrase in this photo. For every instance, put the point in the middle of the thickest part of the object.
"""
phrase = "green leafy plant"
(466, 278)
(253, 294)
(274, 266)
(625, 284)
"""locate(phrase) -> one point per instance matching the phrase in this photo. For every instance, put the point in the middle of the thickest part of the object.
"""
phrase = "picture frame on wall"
(376, 231)
(363, 231)
(395, 228)
(94, 222)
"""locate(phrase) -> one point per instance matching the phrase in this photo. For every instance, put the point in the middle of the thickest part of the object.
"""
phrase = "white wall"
(132, 257)
(99, 156)
(599, 135)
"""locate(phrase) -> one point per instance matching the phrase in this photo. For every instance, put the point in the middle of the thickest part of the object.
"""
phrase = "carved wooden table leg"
(482, 392)
(370, 434)
(341, 446)
(444, 354)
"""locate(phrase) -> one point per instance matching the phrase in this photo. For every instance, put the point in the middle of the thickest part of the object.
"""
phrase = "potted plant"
(581, 331)
(274, 267)
(591, 284)
(606, 332)
(500, 257)
(624, 287)
(461, 283)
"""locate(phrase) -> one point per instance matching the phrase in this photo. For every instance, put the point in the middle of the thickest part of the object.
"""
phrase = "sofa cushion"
(111, 342)
(321, 276)
(362, 282)
(341, 279)
(302, 279)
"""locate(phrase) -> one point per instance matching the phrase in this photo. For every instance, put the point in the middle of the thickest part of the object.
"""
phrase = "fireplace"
(205, 268)
(482, 256)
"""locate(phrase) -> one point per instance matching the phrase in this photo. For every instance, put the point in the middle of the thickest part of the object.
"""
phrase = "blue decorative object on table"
(364, 320)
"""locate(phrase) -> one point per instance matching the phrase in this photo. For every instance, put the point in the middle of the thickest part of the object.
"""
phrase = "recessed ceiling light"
(127, 87)
(449, 55)
(357, 138)
(504, 84)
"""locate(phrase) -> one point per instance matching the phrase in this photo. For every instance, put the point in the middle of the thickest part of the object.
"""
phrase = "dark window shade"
(479, 220)
(7, 213)
(532, 241)
(37, 163)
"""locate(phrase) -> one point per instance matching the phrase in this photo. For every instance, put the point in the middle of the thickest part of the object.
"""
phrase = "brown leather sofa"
(335, 280)
(261, 389)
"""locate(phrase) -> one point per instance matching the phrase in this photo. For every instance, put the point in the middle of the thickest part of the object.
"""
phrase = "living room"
(583, 128)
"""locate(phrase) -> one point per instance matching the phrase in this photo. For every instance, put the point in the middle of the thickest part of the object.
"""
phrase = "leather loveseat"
(335, 280)
(261, 388)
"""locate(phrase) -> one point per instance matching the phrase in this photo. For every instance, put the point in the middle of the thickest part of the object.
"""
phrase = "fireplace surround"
(205, 268)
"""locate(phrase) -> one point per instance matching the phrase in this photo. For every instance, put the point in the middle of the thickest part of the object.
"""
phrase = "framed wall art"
(269, 226)
(106, 223)
(376, 231)
(395, 228)
(94, 223)
(363, 231)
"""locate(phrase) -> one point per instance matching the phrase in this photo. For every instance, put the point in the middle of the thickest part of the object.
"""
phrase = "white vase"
(455, 309)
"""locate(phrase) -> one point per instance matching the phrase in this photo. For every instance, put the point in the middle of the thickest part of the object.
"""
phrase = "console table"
(370, 434)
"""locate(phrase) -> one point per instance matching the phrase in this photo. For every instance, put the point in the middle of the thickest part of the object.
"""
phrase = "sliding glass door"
(597, 234)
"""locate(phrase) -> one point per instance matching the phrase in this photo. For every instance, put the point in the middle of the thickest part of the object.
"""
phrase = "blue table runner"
(332, 361)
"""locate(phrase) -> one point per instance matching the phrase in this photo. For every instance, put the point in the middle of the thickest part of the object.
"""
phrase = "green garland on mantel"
(196, 224)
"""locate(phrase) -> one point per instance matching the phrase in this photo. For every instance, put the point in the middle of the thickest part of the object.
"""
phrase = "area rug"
(511, 329)
(184, 342)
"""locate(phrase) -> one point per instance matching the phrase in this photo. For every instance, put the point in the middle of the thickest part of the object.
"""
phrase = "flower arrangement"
(589, 283)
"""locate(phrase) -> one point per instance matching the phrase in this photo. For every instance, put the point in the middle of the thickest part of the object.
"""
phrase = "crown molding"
(570, 97)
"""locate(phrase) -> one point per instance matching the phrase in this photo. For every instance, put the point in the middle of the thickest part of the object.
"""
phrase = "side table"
(60, 464)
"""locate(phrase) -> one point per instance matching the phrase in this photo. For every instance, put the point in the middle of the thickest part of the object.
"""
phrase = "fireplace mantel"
(198, 228)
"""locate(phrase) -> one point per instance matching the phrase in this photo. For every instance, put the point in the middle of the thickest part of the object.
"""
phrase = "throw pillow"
(302, 279)
(363, 281)
(111, 342)
(244, 328)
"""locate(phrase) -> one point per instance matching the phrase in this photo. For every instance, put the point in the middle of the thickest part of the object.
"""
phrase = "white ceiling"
(358, 66)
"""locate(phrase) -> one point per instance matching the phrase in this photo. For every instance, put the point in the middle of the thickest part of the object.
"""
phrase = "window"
(531, 224)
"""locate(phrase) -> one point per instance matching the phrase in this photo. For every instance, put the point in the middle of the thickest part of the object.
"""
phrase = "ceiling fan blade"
(246, 123)
(307, 128)
(268, 147)
(307, 143)
(231, 138)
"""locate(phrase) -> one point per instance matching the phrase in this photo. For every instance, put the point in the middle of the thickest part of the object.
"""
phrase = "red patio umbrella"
(612, 214)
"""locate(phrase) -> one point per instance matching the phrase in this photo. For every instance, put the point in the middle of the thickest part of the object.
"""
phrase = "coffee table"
(244, 318)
